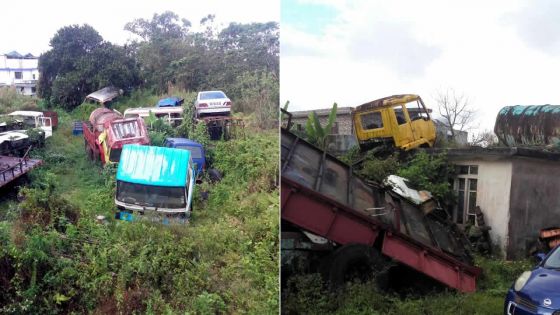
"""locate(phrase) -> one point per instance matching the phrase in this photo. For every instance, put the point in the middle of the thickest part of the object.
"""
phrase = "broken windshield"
(151, 196)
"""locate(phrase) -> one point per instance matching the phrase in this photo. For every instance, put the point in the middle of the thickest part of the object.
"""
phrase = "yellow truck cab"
(399, 120)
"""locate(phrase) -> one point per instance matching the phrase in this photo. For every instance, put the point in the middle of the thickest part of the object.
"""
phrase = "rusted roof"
(388, 101)
(531, 125)
(322, 112)
(105, 94)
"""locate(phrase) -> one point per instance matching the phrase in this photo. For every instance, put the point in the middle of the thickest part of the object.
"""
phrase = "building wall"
(535, 202)
(344, 123)
(27, 67)
(493, 196)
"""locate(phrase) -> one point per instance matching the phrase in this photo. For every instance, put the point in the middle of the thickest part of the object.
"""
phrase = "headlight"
(520, 282)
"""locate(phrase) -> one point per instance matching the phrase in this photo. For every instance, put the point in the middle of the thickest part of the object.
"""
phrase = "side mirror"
(539, 257)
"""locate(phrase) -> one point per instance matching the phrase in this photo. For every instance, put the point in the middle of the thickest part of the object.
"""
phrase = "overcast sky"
(497, 53)
(28, 26)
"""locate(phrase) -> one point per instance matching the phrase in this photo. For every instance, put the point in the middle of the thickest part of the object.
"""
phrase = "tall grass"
(55, 257)
(11, 101)
(305, 294)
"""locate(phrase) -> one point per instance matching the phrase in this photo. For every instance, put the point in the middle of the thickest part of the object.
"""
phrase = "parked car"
(212, 103)
(197, 151)
(170, 101)
(198, 154)
(537, 291)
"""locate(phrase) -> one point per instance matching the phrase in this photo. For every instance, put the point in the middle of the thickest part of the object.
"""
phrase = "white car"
(212, 103)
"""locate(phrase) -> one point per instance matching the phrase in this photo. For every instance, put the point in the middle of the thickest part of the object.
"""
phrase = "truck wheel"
(214, 175)
(356, 262)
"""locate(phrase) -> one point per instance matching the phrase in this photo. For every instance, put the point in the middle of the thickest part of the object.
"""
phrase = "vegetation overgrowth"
(307, 294)
(57, 257)
(167, 54)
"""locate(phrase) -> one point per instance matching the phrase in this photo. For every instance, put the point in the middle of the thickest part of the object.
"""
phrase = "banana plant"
(316, 134)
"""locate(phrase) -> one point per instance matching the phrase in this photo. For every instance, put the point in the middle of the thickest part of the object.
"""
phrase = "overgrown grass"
(56, 258)
(305, 294)
(11, 101)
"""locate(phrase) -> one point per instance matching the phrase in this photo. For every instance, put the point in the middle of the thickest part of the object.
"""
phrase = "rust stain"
(528, 125)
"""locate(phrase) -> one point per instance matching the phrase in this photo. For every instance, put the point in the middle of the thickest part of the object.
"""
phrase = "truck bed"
(13, 167)
(320, 194)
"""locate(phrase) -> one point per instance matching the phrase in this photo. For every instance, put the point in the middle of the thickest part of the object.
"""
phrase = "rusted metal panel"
(546, 233)
(13, 167)
(462, 278)
(387, 101)
(528, 125)
(310, 210)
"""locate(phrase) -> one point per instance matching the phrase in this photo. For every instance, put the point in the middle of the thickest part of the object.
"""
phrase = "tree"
(484, 139)
(162, 27)
(80, 62)
(316, 134)
(455, 110)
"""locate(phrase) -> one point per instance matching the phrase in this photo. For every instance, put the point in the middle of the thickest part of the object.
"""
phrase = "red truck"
(107, 131)
(337, 224)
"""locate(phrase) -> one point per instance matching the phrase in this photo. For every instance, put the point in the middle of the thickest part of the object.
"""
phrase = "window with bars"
(466, 187)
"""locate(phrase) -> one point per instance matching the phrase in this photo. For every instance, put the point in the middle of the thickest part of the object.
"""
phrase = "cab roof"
(388, 101)
(184, 141)
(154, 166)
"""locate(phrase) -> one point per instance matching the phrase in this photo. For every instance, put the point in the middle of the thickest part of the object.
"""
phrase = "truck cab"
(154, 182)
(30, 119)
(401, 121)
(197, 151)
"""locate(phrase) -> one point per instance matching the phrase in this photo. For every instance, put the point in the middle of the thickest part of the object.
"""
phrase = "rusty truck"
(398, 121)
(342, 226)
(107, 131)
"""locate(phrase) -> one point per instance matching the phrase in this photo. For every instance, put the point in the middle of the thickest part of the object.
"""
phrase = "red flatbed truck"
(330, 213)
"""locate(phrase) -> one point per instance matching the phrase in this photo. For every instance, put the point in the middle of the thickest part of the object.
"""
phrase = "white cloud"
(472, 47)
(28, 26)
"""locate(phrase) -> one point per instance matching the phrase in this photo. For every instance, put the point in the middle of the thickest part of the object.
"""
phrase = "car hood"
(543, 284)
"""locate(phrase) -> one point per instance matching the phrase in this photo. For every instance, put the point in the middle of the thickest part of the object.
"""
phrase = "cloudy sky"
(28, 26)
(497, 53)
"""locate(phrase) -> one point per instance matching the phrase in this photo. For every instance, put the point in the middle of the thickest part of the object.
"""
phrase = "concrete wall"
(28, 68)
(344, 123)
(493, 196)
(535, 202)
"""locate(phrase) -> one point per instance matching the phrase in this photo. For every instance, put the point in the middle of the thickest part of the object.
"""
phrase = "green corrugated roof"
(154, 166)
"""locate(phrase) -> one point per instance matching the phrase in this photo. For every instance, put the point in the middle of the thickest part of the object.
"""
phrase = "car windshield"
(212, 95)
(151, 196)
(553, 261)
(195, 151)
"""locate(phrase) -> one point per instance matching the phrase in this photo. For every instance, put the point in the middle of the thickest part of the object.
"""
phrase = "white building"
(20, 71)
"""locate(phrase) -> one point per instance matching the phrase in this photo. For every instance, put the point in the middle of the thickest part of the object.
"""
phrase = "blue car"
(197, 151)
(537, 291)
(170, 101)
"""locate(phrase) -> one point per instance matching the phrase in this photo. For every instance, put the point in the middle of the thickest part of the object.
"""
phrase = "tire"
(214, 175)
(355, 261)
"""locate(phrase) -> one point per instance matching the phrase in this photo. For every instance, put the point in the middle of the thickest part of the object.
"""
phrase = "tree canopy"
(80, 62)
(167, 53)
